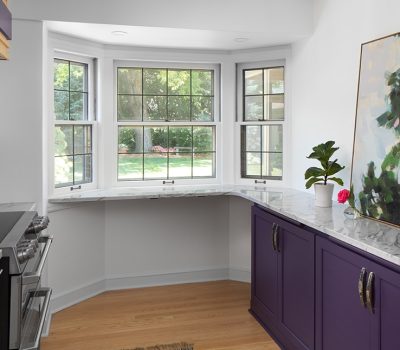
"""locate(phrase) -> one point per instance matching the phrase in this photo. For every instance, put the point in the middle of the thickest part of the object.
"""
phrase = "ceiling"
(169, 37)
(206, 24)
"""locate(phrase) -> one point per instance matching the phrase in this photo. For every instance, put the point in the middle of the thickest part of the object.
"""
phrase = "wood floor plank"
(211, 315)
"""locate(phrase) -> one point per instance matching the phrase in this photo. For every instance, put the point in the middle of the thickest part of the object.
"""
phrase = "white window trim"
(217, 123)
(239, 123)
(92, 120)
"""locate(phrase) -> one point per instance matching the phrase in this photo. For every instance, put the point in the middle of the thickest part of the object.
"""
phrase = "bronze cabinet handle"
(277, 238)
(273, 236)
(370, 292)
(361, 286)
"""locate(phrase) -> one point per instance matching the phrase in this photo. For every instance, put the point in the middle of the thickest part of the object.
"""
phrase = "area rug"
(176, 346)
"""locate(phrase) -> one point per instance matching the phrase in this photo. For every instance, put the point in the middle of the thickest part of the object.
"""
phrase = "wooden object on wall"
(5, 29)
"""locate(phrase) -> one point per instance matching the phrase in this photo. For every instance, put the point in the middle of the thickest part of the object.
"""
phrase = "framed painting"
(376, 152)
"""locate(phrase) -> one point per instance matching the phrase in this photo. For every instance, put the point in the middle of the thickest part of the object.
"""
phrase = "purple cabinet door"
(264, 301)
(296, 288)
(342, 322)
(386, 311)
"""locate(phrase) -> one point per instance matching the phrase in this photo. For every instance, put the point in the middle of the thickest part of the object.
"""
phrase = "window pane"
(274, 81)
(82, 169)
(130, 167)
(252, 137)
(252, 164)
(272, 138)
(82, 139)
(63, 140)
(180, 139)
(155, 108)
(274, 107)
(130, 139)
(63, 171)
(203, 164)
(154, 81)
(202, 108)
(180, 165)
(156, 139)
(78, 77)
(78, 106)
(272, 164)
(179, 108)
(203, 138)
(253, 107)
(61, 75)
(129, 107)
(178, 82)
(202, 82)
(155, 166)
(61, 105)
(129, 80)
(253, 82)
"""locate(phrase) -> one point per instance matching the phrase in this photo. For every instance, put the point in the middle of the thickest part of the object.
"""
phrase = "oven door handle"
(46, 292)
(34, 277)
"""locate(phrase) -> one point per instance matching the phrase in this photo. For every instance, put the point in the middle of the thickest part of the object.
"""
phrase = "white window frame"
(240, 67)
(216, 123)
(92, 120)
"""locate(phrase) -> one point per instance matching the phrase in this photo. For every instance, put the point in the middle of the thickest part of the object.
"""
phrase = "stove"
(24, 243)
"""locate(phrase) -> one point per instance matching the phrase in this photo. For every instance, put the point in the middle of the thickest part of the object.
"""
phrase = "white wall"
(166, 236)
(76, 260)
(239, 238)
(283, 19)
(21, 116)
(325, 76)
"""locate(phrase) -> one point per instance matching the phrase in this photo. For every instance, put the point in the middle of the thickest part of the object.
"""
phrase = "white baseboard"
(240, 275)
(127, 282)
(69, 298)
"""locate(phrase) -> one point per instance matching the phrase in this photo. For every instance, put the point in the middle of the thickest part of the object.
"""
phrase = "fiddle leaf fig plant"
(323, 153)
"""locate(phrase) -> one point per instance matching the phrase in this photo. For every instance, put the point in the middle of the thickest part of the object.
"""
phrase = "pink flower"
(343, 196)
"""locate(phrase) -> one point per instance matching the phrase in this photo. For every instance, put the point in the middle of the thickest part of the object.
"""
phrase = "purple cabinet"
(283, 279)
(357, 301)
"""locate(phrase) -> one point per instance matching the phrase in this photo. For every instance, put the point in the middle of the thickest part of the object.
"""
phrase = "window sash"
(85, 180)
(189, 122)
(259, 164)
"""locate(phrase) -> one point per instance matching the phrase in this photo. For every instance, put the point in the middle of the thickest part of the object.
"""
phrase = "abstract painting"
(376, 153)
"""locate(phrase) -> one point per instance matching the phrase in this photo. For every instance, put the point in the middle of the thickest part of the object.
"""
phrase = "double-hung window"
(166, 123)
(262, 113)
(73, 123)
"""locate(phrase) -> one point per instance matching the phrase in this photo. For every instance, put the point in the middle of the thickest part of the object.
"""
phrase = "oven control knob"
(30, 253)
(25, 254)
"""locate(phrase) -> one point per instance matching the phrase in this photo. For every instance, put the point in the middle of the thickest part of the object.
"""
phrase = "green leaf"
(313, 180)
(338, 180)
(334, 168)
(314, 171)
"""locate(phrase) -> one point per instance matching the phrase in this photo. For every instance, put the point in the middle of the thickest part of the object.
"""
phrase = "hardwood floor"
(211, 315)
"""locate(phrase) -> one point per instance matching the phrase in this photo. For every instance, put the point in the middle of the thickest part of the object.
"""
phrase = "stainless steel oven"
(27, 246)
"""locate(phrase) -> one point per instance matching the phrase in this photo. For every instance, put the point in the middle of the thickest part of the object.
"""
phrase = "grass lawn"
(130, 166)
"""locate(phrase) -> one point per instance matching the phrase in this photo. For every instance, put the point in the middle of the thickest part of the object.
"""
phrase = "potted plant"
(319, 177)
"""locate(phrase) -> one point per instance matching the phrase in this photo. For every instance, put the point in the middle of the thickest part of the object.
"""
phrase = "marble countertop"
(17, 206)
(377, 238)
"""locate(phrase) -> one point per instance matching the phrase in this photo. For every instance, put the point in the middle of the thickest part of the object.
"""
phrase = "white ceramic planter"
(323, 195)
